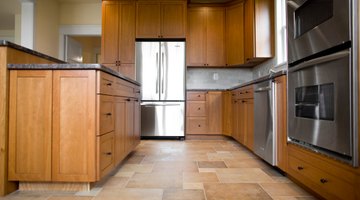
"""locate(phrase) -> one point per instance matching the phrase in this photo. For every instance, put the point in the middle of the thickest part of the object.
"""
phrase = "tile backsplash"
(217, 78)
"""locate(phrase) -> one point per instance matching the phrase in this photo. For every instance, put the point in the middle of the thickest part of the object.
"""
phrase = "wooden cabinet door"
(120, 129)
(235, 35)
(281, 121)
(214, 112)
(196, 37)
(129, 125)
(235, 119)
(215, 36)
(126, 33)
(137, 122)
(242, 121)
(106, 122)
(249, 126)
(147, 19)
(30, 131)
(227, 113)
(74, 141)
(110, 32)
(249, 22)
(105, 150)
(173, 19)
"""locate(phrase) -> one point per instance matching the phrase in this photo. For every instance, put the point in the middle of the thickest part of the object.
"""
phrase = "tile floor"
(187, 170)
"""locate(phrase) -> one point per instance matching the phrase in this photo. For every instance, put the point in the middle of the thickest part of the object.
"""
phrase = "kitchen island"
(69, 124)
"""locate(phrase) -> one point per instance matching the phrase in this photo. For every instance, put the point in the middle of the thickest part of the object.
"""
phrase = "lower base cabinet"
(67, 127)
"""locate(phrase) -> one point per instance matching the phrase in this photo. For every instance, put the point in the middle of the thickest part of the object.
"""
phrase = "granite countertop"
(71, 67)
(27, 50)
(263, 78)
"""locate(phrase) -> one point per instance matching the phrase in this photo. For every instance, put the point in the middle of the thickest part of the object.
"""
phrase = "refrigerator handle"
(162, 71)
(157, 77)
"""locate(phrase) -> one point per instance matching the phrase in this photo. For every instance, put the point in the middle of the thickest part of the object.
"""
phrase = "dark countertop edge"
(263, 78)
(5, 43)
(71, 67)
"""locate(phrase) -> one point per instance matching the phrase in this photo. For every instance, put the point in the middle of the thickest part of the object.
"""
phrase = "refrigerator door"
(172, 70)
(162, 119)
(147, 69)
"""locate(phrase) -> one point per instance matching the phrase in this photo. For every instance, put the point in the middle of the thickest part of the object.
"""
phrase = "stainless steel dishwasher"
(264, 118)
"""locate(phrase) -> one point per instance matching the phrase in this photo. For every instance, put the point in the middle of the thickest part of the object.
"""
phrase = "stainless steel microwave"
(315, 26)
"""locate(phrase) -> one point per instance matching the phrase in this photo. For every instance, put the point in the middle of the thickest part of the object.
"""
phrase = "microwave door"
(147, 69)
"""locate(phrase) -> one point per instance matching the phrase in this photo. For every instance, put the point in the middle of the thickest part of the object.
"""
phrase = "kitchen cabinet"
(160, 19)
(340, 181)
(206, 37)
(66, 133)
(235, 34)
(118, 36)
(258, 31)
(281, 121)
(243, 116)
(227, 112)
(204, 112)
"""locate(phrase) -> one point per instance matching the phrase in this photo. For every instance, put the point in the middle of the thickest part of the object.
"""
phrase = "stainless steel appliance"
(315, 26)
(160, 68)
(264, 117)
(322, 77)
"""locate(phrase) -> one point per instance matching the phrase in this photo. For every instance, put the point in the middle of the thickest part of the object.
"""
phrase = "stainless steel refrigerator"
(160, 68)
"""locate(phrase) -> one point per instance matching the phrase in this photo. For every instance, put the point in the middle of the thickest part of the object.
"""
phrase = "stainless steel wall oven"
(322, 78)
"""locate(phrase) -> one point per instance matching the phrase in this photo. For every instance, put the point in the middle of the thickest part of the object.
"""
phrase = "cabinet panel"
(215, 36)
(30, 130)
(196, 125)
(120, 129)
(235, 34)
(147, 19)
(129, 124)
(127, 38)
(110, 32)
(196, 96)
(235, 119)
(227, 113)
(173, 20)
(137, 122)
(281, 122)
(106, 154)
(73, 126)
(249, 131)
(214, 108)
(106, 114)
(196, 37)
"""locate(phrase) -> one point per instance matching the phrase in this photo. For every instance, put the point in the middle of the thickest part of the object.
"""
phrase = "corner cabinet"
(118, 36)
(161, 19)
(258, 31)
(62, 133)
(205, 37)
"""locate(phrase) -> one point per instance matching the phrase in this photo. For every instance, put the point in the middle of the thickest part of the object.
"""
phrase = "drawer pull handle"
(243, 101)
(199, 95)
(300, 168)
(138, 92)
(128, 99)
(323, 180)
(199, 125)
(108, 84)
(108, 114)
(108, 153)
(232, 94)
(198, 108)
(246, 92)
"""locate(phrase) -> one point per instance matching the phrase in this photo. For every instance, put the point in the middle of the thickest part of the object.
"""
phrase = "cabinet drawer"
(196, 125)
(246, 92)
(329, 185)
(196, 96)
(123, 88)
(106, 83)
(196, 109)
(106, 154)
(105, 114)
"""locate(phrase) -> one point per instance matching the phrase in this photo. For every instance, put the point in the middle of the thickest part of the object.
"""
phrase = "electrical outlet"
(216, 76)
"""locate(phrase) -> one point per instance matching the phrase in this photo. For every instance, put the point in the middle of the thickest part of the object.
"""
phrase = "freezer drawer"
(162, 119)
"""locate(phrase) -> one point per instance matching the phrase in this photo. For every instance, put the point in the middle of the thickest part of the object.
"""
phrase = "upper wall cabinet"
(259, 31)
(118, 36)
(206, 37)
(158, 19)
(235, 35)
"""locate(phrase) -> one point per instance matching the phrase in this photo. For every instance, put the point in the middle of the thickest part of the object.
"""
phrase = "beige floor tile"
(176, 166)
(293, 198)
(283, 189)
(234, 191)
(241, 154)
(207, 170)
(137, 168)
(179, 194)
(27, 195)
(243, 175)
(156, 180)
(124, 174)
(193, 186)
(194, 177)
(69, 198)
(220, 156)
(116, 182)
(211, 164)
(246, 163)
(136, 159)
(130, 194)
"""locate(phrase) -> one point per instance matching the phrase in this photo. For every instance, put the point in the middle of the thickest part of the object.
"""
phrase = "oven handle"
(323, 59)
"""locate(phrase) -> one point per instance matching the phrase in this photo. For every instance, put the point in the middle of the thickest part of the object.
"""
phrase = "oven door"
(316, 25)
(320, 105)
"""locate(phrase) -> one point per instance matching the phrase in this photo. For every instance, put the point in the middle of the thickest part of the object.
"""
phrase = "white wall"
(8, 35)
(80, 14)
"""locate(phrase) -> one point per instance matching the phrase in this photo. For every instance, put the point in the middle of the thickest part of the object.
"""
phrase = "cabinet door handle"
(128, 99)
(243, 101)
(300, 168)
(246, 92)
(108, 114)
(323, 180)
(138, 92)
(199, 95)
(198, 108)
(199, 125)
(108, 153)
(108, 84)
